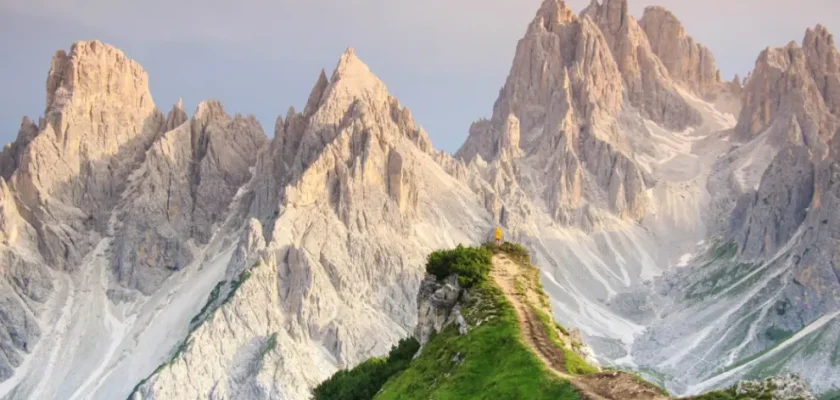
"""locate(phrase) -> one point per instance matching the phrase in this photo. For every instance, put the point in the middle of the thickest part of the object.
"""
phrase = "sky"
(444, 59)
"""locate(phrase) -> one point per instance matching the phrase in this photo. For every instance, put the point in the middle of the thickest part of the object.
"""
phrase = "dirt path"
(613, 385)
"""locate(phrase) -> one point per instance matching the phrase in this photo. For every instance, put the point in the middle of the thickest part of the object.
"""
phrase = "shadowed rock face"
(798, 84)
(191, 174)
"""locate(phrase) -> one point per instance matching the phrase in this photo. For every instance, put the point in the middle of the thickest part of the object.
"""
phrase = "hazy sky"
(444, 59)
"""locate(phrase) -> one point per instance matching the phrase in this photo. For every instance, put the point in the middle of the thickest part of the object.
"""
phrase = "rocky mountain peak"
(94, 68)
(794, 82)
(11, 154)
(561, 100)
(553, 13)
(316, 94)
(823, 62)
(99, 121)
(176, 117)
(614, 14)
(648, 85)
(349, 65)
(819, 35)
(687, 61)
(208, 111)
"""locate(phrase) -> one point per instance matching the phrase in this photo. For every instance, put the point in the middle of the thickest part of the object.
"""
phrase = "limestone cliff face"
(647, 81)
(781, 273)
(789, 99)
(12, 153)
(105, 172)
(25, 285)
(99, 121)
(188, 180)
(557, 109)
(793, 88)
(61, 179)
(438, 306)
(688, 62)
(342, 141)
(823, 62)
(117, 222)
(779, 206)
(346, 202)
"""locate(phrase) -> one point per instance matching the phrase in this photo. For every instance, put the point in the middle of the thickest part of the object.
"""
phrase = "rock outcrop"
(25, 285)
(787, 387)
(104, 176)
(775, 212)
(688, 62)
(337, 200)
(98, 123)
(438, 307)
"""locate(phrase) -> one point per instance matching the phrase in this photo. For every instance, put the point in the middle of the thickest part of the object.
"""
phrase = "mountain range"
(687, 226)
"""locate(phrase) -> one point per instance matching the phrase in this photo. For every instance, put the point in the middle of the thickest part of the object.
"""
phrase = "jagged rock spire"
(687, 61)
(11, 154)
(646, 81)
(795, 83)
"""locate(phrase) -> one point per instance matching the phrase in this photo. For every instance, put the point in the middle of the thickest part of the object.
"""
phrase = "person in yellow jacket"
(498, 235)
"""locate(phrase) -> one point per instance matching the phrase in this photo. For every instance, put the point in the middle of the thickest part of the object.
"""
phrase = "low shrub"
(365, 380)
(471, 264)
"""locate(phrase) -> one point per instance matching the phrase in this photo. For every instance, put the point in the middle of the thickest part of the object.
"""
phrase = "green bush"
(365, 380)
(471, 264)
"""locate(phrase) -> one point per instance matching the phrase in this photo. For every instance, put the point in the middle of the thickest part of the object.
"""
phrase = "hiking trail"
(522, 292)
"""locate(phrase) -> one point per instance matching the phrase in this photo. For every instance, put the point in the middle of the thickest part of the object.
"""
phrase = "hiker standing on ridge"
(498, 236)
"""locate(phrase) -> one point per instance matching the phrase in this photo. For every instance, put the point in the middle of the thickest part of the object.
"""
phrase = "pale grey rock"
(786, 387)
(99, 121)
(186, 184)
(11, 154)
(176, 117)
(823, 61)
(647, 82)
(688, 62)
(437, 307)
(248, 250)
(557, 111)
(333, 218)
(798, 188)
(26, 286)
(778, 208)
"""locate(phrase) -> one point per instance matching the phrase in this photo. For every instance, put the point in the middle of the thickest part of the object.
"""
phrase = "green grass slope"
(490, 362)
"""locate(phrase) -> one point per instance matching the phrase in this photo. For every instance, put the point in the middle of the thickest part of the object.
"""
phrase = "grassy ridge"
(491, 362)
(573, 362)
